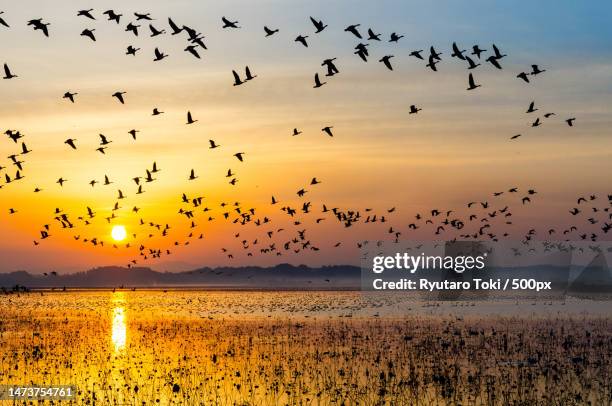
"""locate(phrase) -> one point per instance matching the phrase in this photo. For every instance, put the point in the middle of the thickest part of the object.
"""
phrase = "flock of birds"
(478, 220)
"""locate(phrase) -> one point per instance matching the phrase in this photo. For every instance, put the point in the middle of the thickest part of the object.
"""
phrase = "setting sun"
(118, 233)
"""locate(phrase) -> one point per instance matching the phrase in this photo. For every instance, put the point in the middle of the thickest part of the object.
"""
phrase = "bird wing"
(236, 77)
(471, 81)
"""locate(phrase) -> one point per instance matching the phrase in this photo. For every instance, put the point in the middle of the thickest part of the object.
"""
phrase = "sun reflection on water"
(119, 330)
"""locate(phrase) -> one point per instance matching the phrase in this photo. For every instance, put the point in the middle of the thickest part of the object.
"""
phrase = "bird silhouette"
(494, 61)
(477, 51)
(69, 96)
(190, 119)
(239, 156)
(86, 13)
(156, 112)
(104, 140)
(353, 30)
(531, 108)
(302, 39)
(270, 32)
(159, 55)
(457, 53)
(89, 33)
(119, 96)
(318, 82)
(192, 50)
(175, 28)
(414, 109)
(71, 142)
(37, 24)
(395, 37)
(296, 132)
(7, 73)
(143, 16)
(331, 67)
(111, 15)
(498, 54)
(471, 63)
(328, 130)
(213, 144)
(131, 50)
(372, 36)
(570, 121)
(2, 21)
(237, 80)
(133, 133)
(155, 32)
(133, 28)
(523, 76)
(192, 175)
(387, 61)
(472, 84)
(535, 70)
(319, 26)
(248, 75)
(229, 24)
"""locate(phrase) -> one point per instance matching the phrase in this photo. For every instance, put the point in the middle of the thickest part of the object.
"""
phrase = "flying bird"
(386, 60)
(175, 28)
(395, 38)
(7, 73)
(372, 36)
(131, 50)
(237, 80)
(86, 13)
(2, 21)
(353, 30)
(270, 32)
(69, 96)
(155, 32)
(302, 39)
(119, 96)
(133, 28)
(523, 76)
(457, 53)
(248, 75)
(229, 24)
(471, 82)
(328, 130)
(89, 33)
(37, 24)
(535, 70)
(190, 119)
(112, 16)
(192, 50)
(318, 82)
(318, 25)
(159, 55)
(70, 142)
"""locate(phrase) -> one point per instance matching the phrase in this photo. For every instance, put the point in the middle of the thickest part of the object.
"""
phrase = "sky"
(456, 150)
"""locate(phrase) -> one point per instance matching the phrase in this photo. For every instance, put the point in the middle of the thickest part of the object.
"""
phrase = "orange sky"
(454, 151)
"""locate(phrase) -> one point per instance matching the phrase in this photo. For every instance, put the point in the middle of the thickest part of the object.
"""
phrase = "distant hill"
(282, 276)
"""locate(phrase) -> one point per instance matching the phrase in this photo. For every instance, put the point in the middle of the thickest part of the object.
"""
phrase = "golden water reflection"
(119, 330)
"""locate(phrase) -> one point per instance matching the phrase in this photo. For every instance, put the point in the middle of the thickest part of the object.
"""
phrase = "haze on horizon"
(456, 150)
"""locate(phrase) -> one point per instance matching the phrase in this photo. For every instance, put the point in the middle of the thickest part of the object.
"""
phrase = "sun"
(118, 233)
